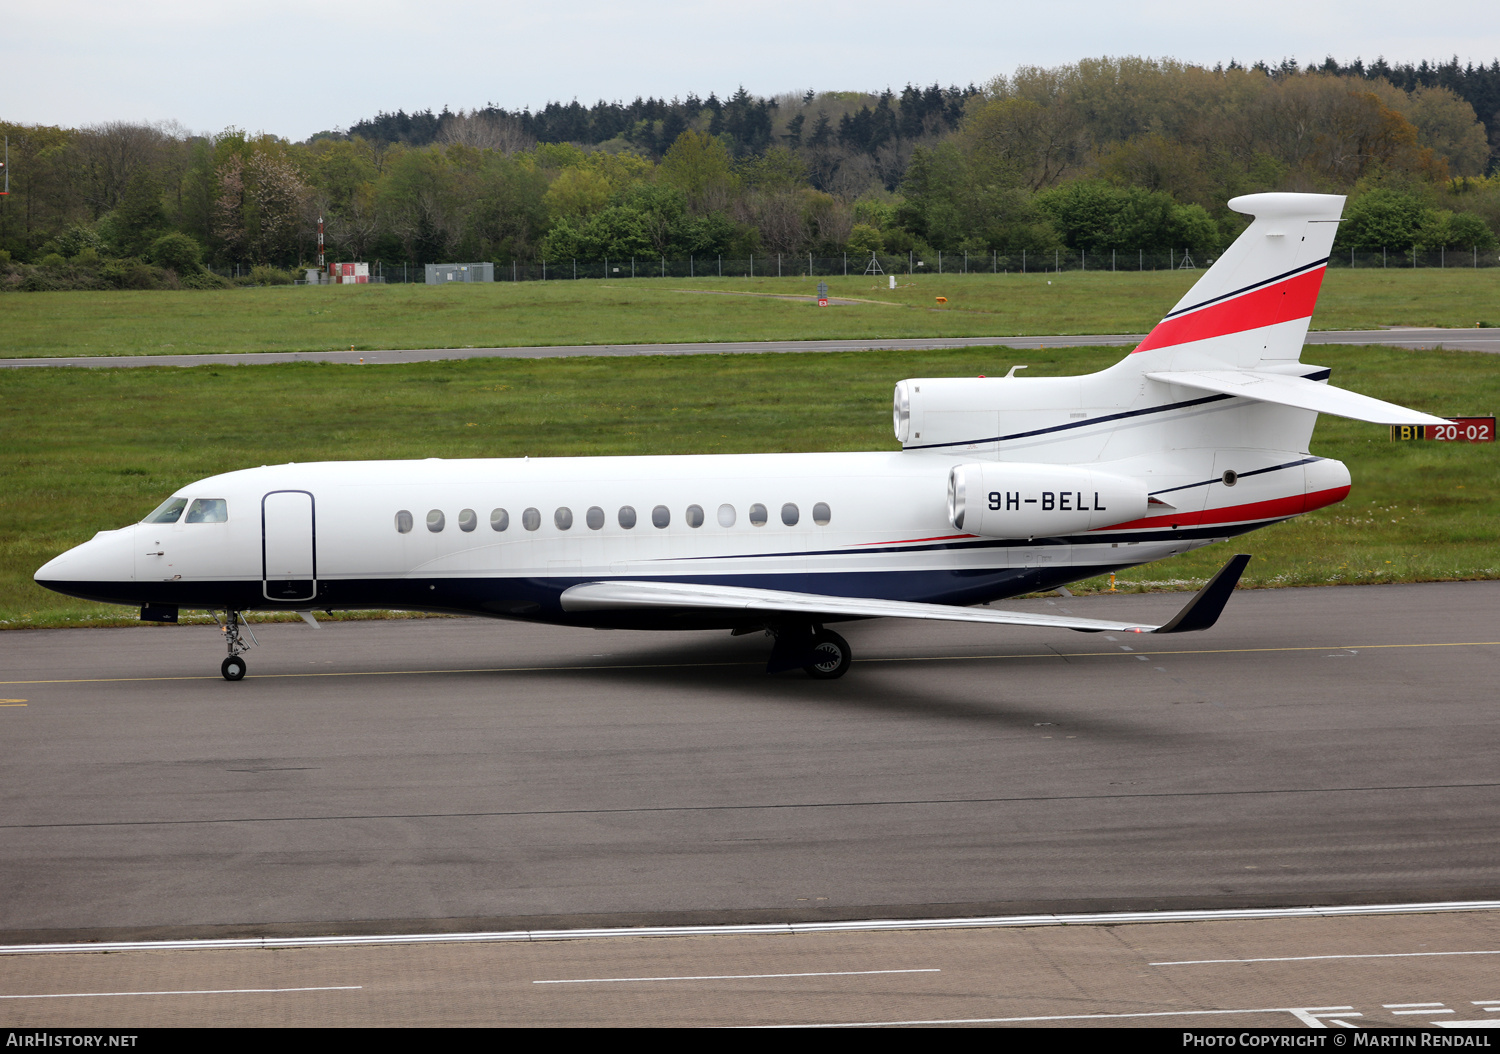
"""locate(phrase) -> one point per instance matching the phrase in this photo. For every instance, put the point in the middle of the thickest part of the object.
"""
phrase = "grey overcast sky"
(295, 68)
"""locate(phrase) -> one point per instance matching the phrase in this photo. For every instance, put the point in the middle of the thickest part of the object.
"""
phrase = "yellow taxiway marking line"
(757, 662)
(400, 673)
(1185, 651)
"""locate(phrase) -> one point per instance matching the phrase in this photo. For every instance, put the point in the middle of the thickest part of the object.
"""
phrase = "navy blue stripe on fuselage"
(537, 598)
(1316, 376)
(1240, 475)
(1248, 289)
(1161, 534)
(1078, 424)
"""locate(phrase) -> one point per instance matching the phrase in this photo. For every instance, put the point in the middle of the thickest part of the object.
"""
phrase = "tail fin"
(1252, 308)
(1239, 330)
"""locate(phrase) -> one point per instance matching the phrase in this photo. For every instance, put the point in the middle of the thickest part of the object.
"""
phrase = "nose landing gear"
(233, 668)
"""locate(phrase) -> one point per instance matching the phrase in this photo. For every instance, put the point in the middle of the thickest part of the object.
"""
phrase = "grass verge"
(648, 311)
(93, 449)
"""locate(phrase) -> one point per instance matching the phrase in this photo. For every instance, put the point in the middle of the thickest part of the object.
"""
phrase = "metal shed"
(437, 274)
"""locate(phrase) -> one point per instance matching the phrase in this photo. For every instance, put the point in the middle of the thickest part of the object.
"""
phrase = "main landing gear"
(233, 667)
(820, 653)
(831, 656)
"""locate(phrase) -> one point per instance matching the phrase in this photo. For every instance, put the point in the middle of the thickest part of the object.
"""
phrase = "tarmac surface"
(1428, 971)
(1449, 339)
(443, 776)
(1318, 746)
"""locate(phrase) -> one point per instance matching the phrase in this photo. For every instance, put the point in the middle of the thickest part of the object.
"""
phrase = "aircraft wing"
(1299, 392)
(637, 594)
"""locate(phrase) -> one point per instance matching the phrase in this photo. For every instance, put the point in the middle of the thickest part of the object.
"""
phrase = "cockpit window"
(168, 511)
(208, 510)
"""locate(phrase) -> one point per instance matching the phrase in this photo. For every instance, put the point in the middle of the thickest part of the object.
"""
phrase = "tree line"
(1105, 154)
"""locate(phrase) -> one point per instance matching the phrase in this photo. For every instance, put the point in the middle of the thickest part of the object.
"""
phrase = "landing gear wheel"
(832, 656)
(233, 668)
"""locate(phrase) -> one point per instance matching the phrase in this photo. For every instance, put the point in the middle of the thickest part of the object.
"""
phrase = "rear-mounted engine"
(1010, 500)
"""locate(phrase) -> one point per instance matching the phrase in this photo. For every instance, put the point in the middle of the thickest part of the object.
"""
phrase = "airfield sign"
(1457, 430)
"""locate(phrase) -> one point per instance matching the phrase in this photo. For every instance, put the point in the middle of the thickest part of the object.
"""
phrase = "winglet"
(1203, 610)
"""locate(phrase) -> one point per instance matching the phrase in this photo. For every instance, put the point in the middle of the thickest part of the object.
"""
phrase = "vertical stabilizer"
(1252, 307)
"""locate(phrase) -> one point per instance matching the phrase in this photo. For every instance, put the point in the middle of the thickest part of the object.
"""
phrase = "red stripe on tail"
(1282, 302)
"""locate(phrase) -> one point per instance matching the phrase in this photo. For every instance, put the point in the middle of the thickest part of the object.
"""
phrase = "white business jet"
(1002, 486)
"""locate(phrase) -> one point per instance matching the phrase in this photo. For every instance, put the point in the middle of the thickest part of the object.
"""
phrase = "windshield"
(168, 511)
(208, 510)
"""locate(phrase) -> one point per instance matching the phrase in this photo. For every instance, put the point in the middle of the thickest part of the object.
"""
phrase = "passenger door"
(289, 546)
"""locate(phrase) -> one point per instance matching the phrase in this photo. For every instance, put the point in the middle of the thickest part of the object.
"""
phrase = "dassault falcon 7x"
(1002, 486)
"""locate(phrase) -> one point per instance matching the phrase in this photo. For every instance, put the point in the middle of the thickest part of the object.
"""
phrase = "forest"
(1104, 156)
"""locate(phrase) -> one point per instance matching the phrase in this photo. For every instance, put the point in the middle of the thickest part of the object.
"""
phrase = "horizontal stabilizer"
(1299, 392)
(638, 595)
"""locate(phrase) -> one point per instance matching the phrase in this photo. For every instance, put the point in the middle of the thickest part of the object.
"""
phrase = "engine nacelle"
(1024, 500)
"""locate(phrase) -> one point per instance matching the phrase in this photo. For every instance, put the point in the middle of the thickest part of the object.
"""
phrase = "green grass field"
(92, 449)
(644, 311)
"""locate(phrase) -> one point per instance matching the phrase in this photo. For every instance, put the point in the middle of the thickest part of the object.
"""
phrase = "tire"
(233, 668)
(833, 656)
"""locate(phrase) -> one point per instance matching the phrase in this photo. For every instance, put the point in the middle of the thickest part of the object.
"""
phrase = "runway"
(1319, 746)
(1446, 339)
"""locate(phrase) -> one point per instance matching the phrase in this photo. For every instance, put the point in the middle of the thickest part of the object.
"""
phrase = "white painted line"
(1058, 1017)
(1313, 1017)
(201, 991)
(1115, 918)
(1315, 958)
(1481, 1022)
(1427, 1013)
(732, 976)
(1393, 1006)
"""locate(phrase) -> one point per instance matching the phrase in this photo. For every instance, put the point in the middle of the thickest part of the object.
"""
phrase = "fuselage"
(504, 537)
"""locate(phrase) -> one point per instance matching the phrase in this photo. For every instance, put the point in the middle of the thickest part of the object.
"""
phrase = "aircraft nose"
(109, 556)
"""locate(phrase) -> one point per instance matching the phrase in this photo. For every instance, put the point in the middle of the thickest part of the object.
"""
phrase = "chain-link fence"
(1021, 261)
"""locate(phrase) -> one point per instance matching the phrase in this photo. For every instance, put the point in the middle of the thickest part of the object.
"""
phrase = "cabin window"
(726, 515)
(758, 515)
(436, 521)
(594, 517)
(790, 515)
(627, 516)
(403, 522)
(562, 519)
(467, 521)
(208, 510)
(661, 516)
(822, 514)
(168, 511)
(694, 516)
(499, 520)
(531, 519)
